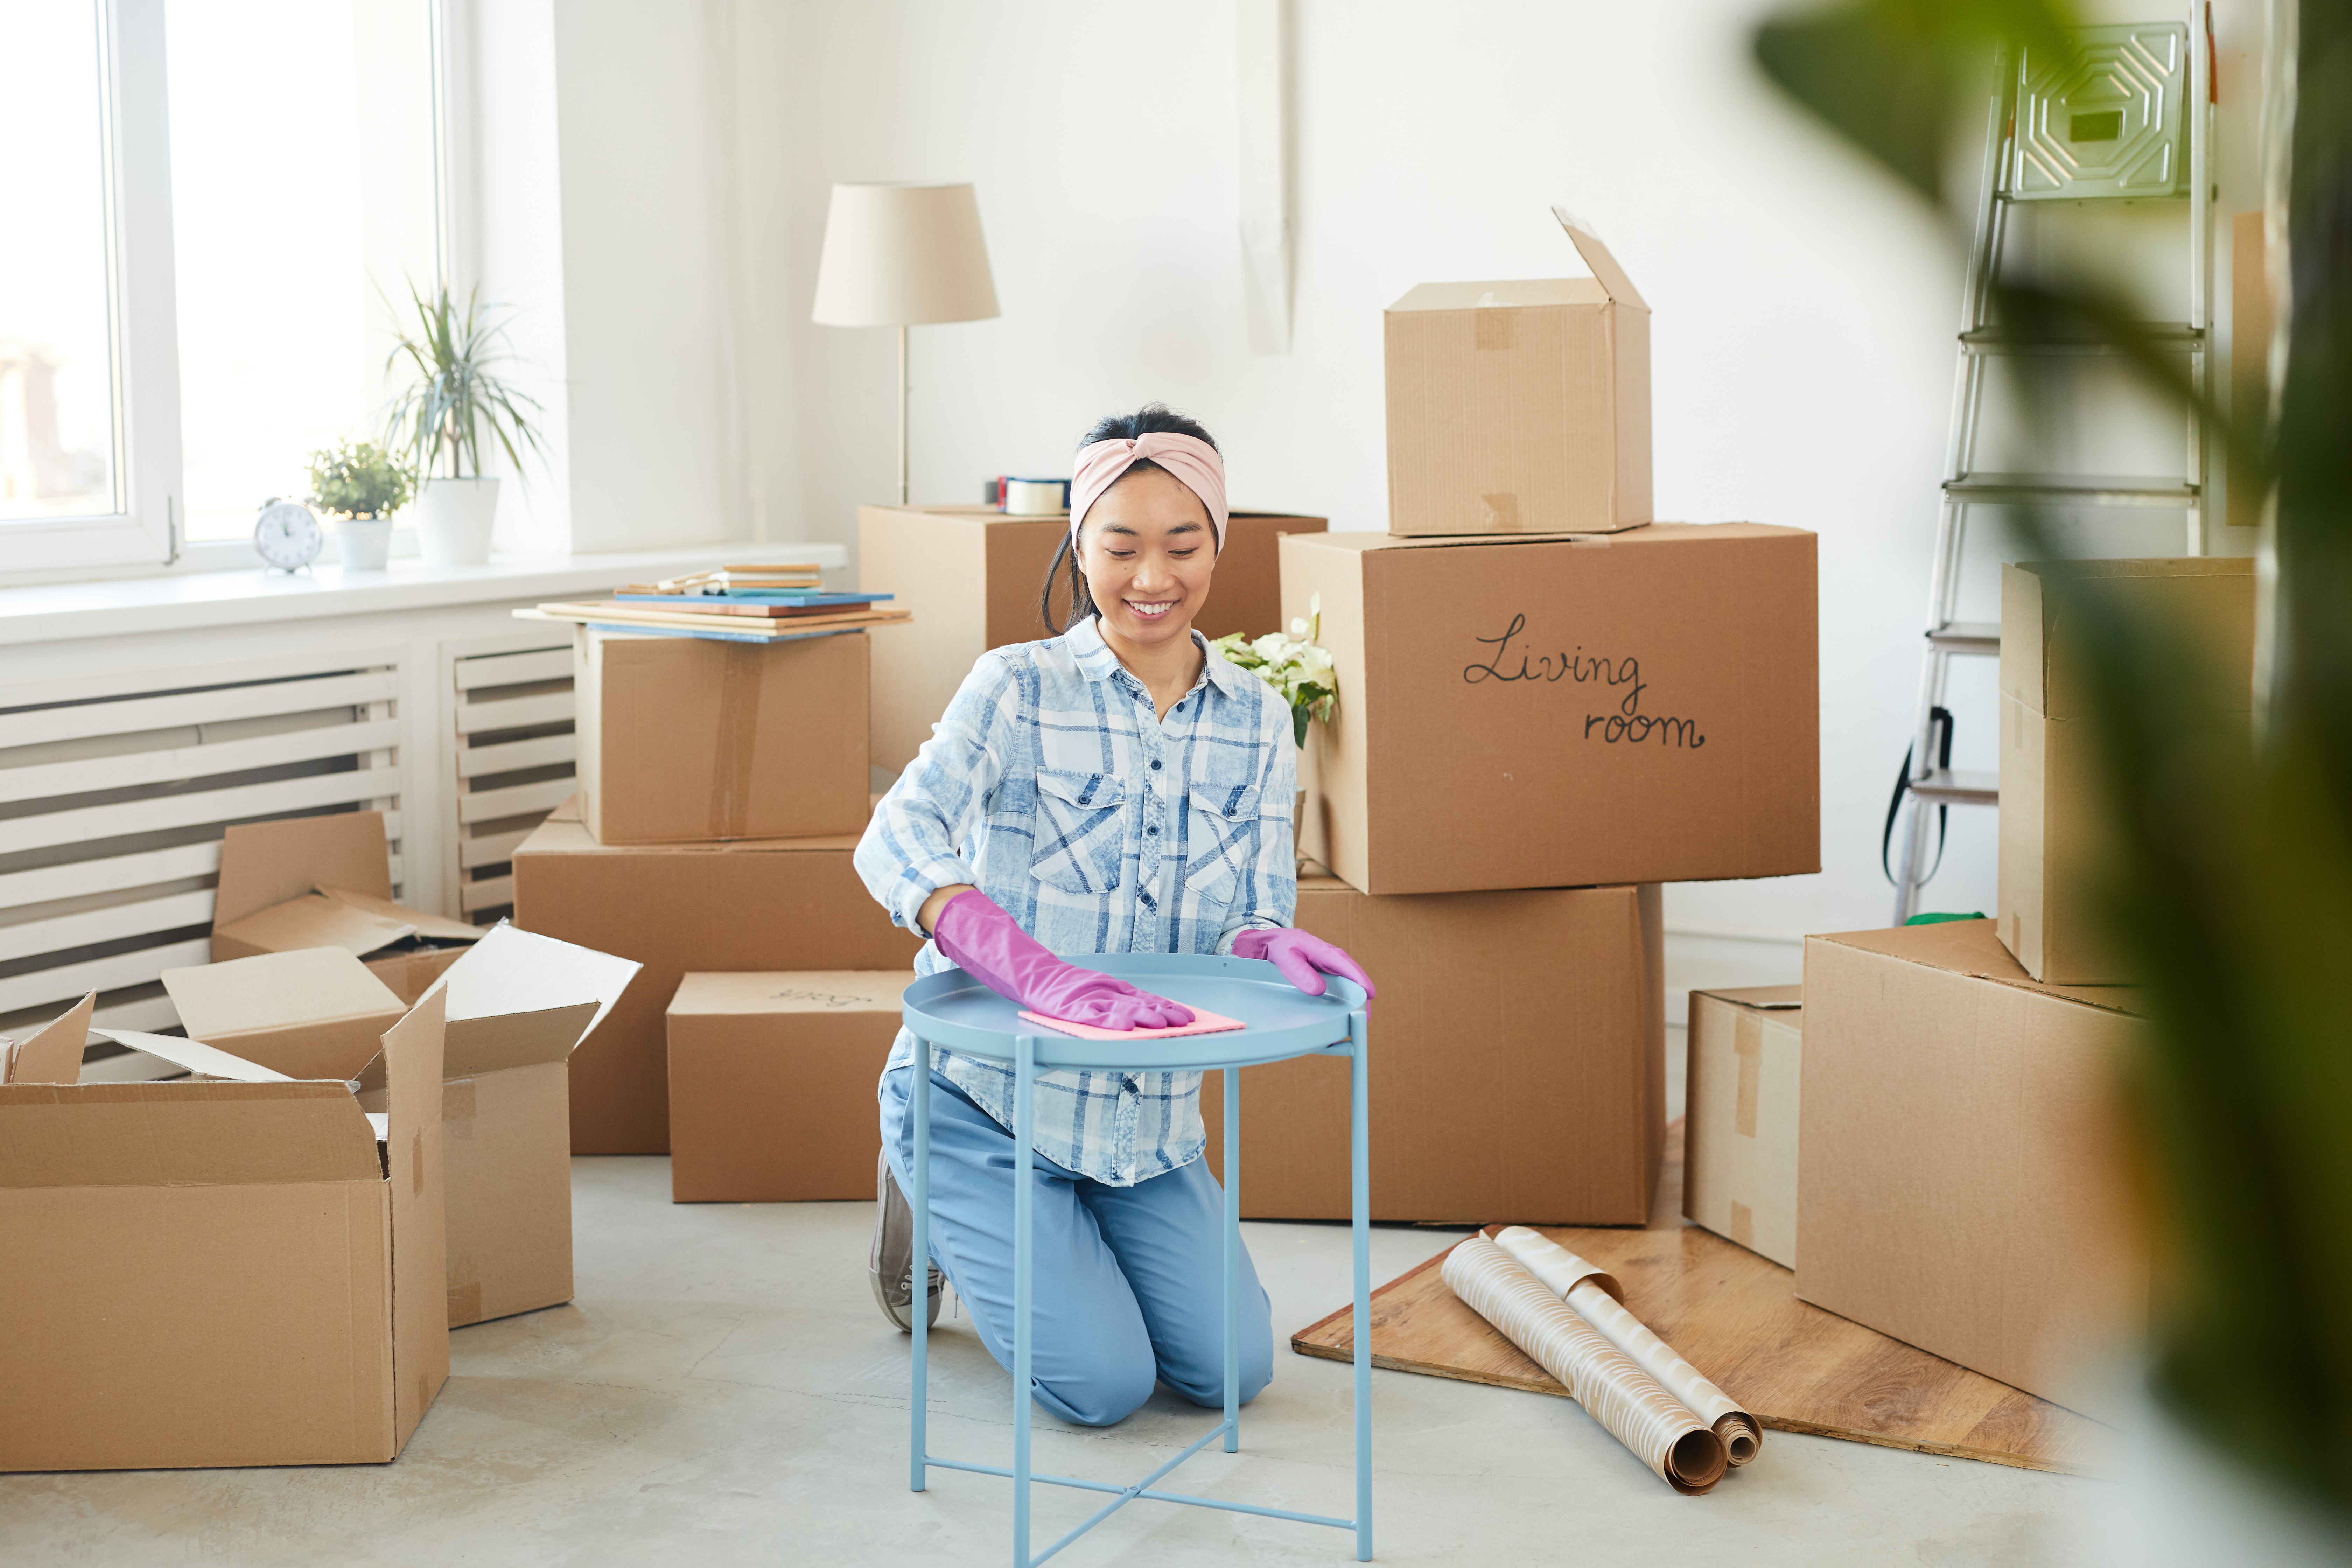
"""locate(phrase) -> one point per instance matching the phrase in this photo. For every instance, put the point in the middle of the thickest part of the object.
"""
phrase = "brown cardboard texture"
(1516, 714)
(685, 739)
(314, 1013)
(1956, 1167)
(54, 1055)
(795, 903)
(1518, 1063)
(1739, 1128)
(517, 1005)
(772, 1083)
(2054, 818)
(220, 1271)
(1520, 407)
(971, 577)
(326, 881)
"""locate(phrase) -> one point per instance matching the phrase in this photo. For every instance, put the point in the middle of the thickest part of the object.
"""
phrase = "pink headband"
(1192, 461)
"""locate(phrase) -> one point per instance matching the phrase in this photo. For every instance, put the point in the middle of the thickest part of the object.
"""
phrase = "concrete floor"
(723, 1391)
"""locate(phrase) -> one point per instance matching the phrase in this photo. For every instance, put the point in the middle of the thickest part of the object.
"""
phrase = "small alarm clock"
(288, 536)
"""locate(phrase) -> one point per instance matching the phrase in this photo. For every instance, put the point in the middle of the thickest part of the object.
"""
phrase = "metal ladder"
(2097, 129)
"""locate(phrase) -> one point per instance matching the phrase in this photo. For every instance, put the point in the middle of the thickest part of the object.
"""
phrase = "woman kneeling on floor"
(1117, 789)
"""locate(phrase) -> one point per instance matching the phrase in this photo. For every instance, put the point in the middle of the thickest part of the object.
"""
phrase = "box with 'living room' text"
(781, 903)
(1635, 708)
(971, 577)
(1518, 1063)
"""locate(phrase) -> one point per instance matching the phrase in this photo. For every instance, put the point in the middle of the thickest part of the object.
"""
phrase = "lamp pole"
(902, 414)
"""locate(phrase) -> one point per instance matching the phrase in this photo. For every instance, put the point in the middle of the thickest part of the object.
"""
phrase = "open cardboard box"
(317, 1012)
(234, 1269)
(326, 881)
(517, 1007)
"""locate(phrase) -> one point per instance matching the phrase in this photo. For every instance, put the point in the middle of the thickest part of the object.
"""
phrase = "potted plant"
(437, 424)
(1298, 667)
(357, 483)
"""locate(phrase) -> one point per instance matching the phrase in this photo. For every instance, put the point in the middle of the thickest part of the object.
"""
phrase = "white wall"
(1803, 306)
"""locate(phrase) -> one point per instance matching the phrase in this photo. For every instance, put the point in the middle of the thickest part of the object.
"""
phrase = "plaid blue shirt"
(1052, 786)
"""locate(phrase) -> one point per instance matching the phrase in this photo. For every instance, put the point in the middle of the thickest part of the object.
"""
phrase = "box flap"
(432, 928)
(265, 863)
(315, 920)
(420, 1235)
(53, 1055)
(196, 1056)
(472, 1047)
(1596, 256)
(1501, 293)
(1764, 998)
(515, 971)
(1643, 534)
(277, 989)
(1971, 948)
(182, 1134)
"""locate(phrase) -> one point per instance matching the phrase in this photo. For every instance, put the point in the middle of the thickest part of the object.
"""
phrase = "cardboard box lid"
(53, 1055)
(565, 833)
(1971, 948)
(275, 991)
(1763, 998)
(518, 999)
(822, 991)
(208, 1061)
(1609, 284)
(1638, 535)
(2041, 662)
(317, 881)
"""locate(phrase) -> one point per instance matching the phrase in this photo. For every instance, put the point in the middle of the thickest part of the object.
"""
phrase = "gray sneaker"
(890, 1264)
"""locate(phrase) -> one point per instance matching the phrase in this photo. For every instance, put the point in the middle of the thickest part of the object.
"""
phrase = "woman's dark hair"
(1152, 418)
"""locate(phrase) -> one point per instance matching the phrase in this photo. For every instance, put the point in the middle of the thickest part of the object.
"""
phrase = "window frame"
(135, 161)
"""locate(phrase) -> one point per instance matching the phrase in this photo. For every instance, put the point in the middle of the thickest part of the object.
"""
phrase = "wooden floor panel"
(1736, 1317)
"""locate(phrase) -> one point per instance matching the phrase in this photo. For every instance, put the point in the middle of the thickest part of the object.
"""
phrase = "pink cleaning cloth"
(1203, 1023)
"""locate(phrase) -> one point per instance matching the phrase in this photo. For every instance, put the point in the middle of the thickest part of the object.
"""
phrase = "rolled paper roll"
(1660, 1429)
(1599, 1299)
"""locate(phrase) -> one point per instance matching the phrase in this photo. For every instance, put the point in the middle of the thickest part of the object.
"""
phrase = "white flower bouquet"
(1296, 666)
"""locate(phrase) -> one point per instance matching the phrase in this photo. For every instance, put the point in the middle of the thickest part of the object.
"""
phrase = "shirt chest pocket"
(1080, 838)
(1220, 838)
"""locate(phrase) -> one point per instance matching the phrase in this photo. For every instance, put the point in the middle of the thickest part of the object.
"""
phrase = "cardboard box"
(1518, 1063)
(794, 903)
(1521, 408)
(1740, 1122)
(686, 740)
(971, 577)
(1514, 714)
(326, 881)
(2053, 809)
(1956, 1172)
(315, 1013)
(517, 1006)
(224, 1270)
(772, 1080)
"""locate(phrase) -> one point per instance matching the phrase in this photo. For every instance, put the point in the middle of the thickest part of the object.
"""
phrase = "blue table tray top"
(956, 1011)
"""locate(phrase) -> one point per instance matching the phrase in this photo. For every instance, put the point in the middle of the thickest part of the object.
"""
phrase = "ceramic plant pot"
(365, 541)
(454, 519)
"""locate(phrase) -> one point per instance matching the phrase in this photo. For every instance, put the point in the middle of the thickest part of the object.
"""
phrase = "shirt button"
(1155, 767)
(1151, 832)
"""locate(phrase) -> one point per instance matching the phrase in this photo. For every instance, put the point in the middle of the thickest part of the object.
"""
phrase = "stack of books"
(759, 603)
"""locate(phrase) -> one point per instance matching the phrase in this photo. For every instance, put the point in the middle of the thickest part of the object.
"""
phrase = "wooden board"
(1736, 1317)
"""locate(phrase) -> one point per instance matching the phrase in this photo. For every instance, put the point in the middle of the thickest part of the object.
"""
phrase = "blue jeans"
(1127, 1283)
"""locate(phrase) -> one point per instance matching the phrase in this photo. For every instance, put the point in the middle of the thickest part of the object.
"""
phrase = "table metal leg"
(1232, 1259)
(919, 1267)
(1024, 1118)
(1361, 1176)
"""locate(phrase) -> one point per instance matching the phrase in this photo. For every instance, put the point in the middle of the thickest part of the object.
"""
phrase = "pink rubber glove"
(1304, 960)
(986, 943)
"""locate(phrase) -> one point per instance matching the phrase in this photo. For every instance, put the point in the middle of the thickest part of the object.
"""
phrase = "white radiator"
(510, 718)
(115, 790)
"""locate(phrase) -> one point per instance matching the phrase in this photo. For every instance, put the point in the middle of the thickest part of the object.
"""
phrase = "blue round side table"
(958, 1012)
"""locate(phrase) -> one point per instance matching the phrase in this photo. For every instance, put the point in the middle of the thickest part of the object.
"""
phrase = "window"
(216, 209)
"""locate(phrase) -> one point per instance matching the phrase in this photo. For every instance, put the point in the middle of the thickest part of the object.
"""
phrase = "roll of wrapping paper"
(1597, 1297)
(1660, 1429)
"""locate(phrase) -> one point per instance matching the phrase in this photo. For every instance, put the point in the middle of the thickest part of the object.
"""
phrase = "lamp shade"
(898, 254)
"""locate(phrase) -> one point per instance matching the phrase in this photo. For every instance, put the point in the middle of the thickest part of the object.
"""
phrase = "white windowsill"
(187, 601)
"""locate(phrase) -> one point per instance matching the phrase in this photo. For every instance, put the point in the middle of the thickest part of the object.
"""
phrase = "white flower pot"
(454, 519)
(365, 541)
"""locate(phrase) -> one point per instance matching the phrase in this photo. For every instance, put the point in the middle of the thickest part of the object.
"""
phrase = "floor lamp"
(901, 256)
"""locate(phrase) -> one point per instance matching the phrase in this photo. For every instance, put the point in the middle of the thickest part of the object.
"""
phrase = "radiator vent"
(115, 791)
(514, 750)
